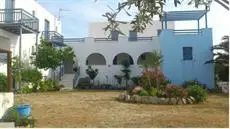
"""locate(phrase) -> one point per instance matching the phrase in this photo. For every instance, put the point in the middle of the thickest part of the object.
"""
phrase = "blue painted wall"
(178, 70)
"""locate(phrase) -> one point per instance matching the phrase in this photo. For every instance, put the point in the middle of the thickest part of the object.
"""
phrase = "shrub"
(143, 93)
(136, 80)
(198, 93)
(27, 88)
(153, 91)
(3, 84)
(118, 78)
(160, 93)
(12, 115)
(172, 91)
(152, 78)
(192, 82)
(84, 85)
(31, 75)
(92, 73)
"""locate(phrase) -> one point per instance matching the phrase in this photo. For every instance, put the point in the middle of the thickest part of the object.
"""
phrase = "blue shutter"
(187, 53)
(114, 35)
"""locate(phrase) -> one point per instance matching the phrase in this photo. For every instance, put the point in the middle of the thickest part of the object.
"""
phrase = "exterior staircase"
(67, 81)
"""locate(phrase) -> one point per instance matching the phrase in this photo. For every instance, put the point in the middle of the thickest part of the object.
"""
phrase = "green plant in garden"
(198, 93)
(3, 84)
(136, 80)
(153, 61)
(92, 73)
(50, 57)
(31, 75)
(143, 92)
(118, 78)
(126, 71)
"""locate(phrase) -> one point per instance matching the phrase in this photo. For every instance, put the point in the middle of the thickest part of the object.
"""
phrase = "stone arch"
(95, 59)
(143, 57)
(122, 56)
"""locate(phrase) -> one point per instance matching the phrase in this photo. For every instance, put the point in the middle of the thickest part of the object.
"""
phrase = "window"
(187, 53)
(132, 36)
(114, 35)
(47, 29)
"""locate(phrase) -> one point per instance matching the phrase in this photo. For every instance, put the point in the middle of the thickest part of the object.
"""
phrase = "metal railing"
(187, 31)
(140, 38)
(74, 40)
(104, 39)
(53, 36)
(76, 76)
(19, 16)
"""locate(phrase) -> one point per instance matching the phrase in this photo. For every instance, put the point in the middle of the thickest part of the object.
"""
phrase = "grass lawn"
(100, 109)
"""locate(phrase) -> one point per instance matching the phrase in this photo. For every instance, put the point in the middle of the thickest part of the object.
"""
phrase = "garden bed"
(154, 100)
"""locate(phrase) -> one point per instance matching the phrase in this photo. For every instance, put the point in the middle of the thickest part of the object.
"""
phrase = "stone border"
(154, 100)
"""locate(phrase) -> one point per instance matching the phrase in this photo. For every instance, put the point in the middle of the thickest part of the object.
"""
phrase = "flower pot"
(24, 110)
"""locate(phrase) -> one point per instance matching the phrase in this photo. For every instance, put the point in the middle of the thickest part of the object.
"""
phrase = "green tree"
(153, 60)
(126, 71)
(146, 10)
(221, 59)
(50, 57)
(92, 73)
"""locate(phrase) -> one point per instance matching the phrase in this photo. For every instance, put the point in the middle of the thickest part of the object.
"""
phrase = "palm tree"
(221, 59)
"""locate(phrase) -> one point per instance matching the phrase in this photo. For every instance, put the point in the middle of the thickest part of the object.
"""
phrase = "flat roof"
(183, 15)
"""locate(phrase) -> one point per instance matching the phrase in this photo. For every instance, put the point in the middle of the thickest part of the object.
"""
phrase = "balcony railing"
(187, 31)
(11, 17)
(68, 40)
(140, 38)
(53, 37)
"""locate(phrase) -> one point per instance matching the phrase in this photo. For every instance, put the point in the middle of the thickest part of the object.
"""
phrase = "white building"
(184, 51)
(106, 54)
(36, 20)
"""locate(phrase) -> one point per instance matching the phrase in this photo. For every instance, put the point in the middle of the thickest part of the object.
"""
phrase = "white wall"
(96, 29)
(6, 101)
(29, 40)
(109, 49)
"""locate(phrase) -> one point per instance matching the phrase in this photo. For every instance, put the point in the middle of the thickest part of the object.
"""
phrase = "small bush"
(160, 93)
(3, 84)
(186, 84)
(198, 93)
(136, 80)
(31, 75)
(27, 88)
(143, 93)
(153, 91)
(84, 85)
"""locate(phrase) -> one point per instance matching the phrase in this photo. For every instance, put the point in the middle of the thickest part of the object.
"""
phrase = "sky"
(80, 13)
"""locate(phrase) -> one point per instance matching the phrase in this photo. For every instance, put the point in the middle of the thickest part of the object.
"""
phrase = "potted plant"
(24, 110)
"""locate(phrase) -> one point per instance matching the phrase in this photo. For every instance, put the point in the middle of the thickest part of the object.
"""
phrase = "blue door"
(9, 6)
(188, 70)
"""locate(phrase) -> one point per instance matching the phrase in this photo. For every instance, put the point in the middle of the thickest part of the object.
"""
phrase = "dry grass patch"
(100, 109)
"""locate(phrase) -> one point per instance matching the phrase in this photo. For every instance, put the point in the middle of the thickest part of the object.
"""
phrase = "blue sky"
(81, 12)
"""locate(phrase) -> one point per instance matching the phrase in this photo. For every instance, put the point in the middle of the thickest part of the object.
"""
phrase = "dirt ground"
(100, 109)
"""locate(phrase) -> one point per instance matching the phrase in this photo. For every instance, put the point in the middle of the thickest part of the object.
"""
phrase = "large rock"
(189, 101)
(127, 98)
(144, 99)
(163, 100)
(136, 90)
(122, 96)
(154, 100)
(184, 101)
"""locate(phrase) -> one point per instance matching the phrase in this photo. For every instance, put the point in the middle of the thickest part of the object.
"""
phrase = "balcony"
(12, 19)
(53, 37)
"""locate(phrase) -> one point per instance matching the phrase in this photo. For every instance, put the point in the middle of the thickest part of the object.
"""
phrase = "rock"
(192, 98)
(173, 101)
(153, 100)
(184, 101)
(163, 100)
(189, 101)
(144, 99)
(180, 102)
(133, 98)
(127, 98)
(138, 98)
(136, 90)
(122, 96)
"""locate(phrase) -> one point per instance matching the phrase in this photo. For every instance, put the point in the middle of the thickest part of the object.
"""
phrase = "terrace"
(13, 20)
(54, 37)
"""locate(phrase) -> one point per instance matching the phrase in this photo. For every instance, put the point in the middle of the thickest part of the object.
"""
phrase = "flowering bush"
(152, 78)
(198, 93)
(175, 91)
